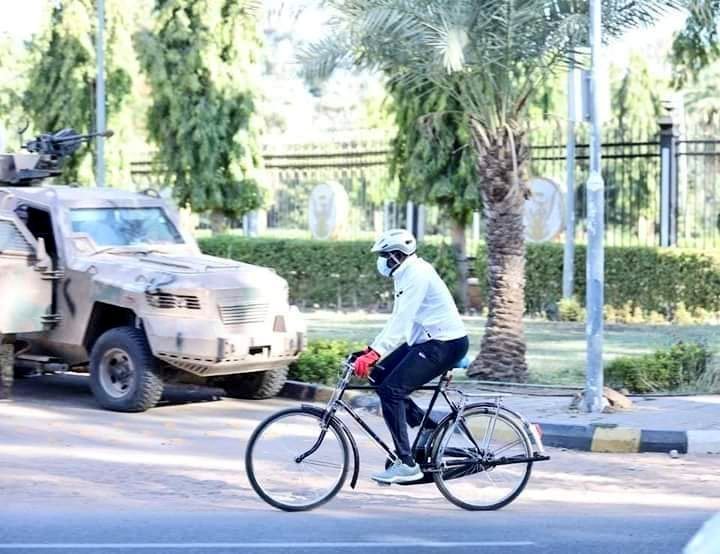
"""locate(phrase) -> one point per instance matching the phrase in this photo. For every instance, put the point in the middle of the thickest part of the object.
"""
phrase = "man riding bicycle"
(423, 338)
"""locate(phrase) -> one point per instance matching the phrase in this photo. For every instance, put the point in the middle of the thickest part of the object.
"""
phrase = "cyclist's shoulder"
(418, 268)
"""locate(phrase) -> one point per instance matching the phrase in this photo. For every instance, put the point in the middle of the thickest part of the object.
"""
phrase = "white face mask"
(382, 267)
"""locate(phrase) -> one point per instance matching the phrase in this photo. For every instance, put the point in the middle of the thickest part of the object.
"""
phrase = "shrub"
(569, 309)
(665, 370)
(674, 284)
(320, 362)
(337, 274)
(636, 278)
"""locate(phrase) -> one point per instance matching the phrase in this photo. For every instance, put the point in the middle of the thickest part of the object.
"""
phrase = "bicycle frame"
(456, 412)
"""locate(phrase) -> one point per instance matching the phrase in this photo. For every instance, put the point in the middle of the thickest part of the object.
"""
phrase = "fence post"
(419, 222)
(409, 216)
(668, 181)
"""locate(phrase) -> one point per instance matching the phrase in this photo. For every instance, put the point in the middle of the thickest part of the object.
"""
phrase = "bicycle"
(318, 449)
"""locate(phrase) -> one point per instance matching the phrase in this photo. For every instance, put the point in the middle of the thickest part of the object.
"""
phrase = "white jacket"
(423, 309)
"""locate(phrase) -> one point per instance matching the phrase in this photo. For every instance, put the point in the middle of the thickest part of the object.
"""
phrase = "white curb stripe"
(252, 545)
(703, 442)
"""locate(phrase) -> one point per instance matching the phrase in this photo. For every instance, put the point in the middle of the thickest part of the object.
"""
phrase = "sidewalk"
(687, 424)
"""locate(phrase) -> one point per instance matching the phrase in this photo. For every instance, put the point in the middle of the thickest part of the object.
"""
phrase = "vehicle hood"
(171, 271)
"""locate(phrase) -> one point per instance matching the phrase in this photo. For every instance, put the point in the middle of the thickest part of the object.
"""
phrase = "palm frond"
(319, 59)
(489, 52)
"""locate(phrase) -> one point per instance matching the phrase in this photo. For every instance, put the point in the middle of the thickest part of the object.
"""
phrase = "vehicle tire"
(448, 448)
(124, 374)
(278, 477)
(258, 385)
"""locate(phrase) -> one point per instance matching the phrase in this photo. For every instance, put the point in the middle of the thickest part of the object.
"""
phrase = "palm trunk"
(457, 231)
(218, 223)
(504, 189)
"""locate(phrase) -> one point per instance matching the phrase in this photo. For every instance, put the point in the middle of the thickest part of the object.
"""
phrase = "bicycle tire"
(438, 475)
(249, 466)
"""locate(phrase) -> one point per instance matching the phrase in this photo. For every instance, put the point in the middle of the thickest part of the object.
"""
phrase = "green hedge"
(320, 362)
(652, 279)
(342, 274)
(329, 274)
(669, 369)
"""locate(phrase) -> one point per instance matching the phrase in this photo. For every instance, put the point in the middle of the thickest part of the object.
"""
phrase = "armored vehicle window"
(11, 238)
(39, 223)
(125, 226)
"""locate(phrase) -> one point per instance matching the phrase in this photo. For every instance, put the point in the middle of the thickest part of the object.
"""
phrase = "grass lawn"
(556, 351)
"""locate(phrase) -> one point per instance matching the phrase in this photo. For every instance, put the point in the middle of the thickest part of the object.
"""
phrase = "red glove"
(364, 362)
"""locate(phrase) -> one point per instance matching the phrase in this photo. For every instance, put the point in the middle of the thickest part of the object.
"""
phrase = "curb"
(607, 438)
(628, 440)
(297, 390)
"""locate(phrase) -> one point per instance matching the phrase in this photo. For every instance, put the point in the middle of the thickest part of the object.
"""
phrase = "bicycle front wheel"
(478, 463)
(293, 464)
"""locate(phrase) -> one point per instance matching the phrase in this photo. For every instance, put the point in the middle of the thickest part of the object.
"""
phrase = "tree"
(431, 159)
(12, 84)
(200, 60)
(61, 84)
(698, 44)
(489, 54)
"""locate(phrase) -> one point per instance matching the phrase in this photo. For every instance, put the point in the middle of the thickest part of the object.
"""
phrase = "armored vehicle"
(108, 282)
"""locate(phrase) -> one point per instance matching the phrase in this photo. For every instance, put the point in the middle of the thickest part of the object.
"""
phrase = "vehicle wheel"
(258, 385)
(124, 375)
(468, 477)
(271, 459)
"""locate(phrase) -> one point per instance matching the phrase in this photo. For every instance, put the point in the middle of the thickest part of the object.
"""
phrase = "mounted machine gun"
(44, 158)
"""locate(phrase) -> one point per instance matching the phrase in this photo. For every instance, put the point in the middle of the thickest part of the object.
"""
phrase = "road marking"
(252, 545)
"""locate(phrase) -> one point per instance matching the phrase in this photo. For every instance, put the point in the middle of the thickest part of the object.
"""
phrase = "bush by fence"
(329, 274)
(647, 278)
(683, 364)
(321, 361)
(342, 274)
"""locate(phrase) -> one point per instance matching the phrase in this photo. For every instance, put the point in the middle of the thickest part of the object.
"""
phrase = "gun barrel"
(72, 138)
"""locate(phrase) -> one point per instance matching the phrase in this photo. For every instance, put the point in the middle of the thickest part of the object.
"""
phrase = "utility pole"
(569, 255)
(100, 95)
(593, 397)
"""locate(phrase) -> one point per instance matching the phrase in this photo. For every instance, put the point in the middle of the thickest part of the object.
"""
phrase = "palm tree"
(490, 54)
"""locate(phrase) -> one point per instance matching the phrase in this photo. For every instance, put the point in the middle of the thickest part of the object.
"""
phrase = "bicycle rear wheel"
(292, 464)
(466, 456)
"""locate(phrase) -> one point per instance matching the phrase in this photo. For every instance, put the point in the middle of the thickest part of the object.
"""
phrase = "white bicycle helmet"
(394, 240)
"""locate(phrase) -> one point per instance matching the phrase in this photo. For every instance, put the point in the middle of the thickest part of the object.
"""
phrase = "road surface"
(78, 479)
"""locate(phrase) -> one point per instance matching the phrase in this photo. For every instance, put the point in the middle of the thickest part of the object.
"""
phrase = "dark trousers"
(403, 371)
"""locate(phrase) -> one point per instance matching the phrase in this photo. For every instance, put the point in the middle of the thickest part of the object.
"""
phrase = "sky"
(21, 18)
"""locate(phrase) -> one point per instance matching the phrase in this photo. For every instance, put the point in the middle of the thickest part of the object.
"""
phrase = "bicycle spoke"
(507, 447)
(275, 472)
(482, 485)
(320, 463)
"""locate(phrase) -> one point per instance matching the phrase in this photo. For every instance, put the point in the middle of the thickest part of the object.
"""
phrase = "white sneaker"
(399, 473)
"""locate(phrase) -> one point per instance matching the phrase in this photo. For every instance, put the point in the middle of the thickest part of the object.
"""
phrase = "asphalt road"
(349, 526)
(77, 479)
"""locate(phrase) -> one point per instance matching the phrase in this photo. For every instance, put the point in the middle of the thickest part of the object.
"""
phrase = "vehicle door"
(25, 279)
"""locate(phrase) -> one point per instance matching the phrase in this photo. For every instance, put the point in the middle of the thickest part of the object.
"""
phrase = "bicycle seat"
(462, 364)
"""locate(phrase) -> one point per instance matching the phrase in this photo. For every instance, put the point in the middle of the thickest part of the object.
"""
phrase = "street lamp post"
(569, 252)
(100, 95)
(593, 397)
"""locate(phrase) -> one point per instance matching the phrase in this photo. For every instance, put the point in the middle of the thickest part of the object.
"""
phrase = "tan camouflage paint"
(6, 369)
(20, 271)
(194, 339)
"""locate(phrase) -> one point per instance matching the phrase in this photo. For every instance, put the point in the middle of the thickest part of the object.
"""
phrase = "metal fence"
(631, 171)
(291, 171)
(698, 192)
(661, 189)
